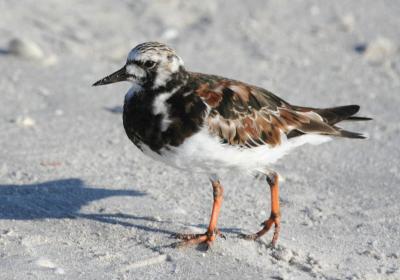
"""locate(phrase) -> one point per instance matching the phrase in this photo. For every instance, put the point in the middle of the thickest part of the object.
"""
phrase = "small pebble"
(59, 270)
(7, 232)
(379, 50)
(156, 219)
(17, 174)
(43, 262)
(43, 91)
(25, 121)
(103, 155)
(312, 260)
(307, 223)
(179, 211)
(347, 22)
(25, 48)
(355, 276)
(50, 60)
(279, 277)
(360, 48)
(113, 141)
(170, 34)
(373, 243)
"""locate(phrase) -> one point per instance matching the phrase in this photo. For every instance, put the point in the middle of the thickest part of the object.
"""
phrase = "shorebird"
(210, 124)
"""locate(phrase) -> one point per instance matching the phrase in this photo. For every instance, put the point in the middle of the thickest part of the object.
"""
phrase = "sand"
(79, 201)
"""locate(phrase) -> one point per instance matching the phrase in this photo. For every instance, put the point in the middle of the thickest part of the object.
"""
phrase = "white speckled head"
(149, 64)
(153, 61)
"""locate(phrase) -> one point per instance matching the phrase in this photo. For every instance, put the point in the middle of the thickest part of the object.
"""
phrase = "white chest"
(204, 153)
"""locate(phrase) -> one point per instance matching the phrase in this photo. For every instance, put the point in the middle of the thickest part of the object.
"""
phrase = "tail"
(334, 115)
(350, 134)
(342, 113)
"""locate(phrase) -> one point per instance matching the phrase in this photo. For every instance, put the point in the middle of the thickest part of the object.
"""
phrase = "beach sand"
(79, 201)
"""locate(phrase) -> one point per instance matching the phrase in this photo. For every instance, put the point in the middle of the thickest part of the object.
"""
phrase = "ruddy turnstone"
(207, 123)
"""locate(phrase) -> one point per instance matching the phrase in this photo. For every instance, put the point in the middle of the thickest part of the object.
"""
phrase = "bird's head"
(149, 65)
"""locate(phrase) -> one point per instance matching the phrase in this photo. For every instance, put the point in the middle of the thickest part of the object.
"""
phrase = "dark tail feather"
(332, 116)
(338, 114)
(356, 118)
(343, 113)
(350, 134)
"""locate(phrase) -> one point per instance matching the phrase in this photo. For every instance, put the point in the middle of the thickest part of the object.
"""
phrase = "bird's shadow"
(64, 198)
(52, 199)
(61, 199)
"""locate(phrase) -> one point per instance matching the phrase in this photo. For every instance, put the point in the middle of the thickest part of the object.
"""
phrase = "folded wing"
(245, 115)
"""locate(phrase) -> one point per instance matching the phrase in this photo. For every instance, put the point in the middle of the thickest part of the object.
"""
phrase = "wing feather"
(245, 115)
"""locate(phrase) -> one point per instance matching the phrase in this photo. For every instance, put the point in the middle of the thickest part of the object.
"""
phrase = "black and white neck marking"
(165, 116)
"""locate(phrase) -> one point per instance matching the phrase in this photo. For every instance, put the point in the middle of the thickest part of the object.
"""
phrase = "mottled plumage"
(247, 115)
(206, 123)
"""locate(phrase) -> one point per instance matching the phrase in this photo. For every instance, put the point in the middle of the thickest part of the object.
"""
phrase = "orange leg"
(274, 218)
(212, 230)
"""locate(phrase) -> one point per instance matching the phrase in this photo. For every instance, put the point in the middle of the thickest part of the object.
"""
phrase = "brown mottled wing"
(246, 115)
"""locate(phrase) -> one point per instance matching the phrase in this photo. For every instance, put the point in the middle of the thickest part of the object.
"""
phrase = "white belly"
(204, 153)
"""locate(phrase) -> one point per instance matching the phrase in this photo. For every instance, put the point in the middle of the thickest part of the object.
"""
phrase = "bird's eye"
(149, 64)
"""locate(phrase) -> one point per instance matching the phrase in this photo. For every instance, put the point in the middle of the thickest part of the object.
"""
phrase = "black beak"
(117, 76)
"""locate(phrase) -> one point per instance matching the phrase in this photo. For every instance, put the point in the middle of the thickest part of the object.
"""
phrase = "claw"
(212, 231)
(196, 238)
(267, 225)
(220, 234)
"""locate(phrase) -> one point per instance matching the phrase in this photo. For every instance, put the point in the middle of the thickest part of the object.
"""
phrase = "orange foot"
(200, 238)
(273, 220)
